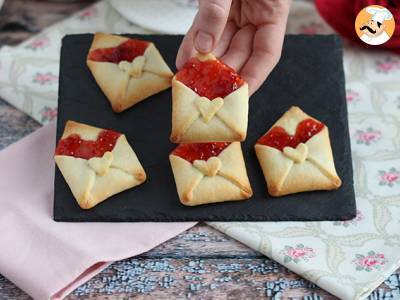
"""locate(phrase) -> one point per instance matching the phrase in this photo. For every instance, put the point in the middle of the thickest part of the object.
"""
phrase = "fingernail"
(203, 42)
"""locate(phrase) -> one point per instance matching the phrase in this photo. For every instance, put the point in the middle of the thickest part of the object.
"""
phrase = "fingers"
(267, 47)
(185, 51)
(225, 40)
(209, 23)
(240, 48)
(206, 30)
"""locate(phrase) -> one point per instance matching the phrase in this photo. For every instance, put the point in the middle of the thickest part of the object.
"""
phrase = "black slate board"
(310, 75)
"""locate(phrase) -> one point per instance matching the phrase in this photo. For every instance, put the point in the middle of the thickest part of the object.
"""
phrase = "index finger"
(267, 48)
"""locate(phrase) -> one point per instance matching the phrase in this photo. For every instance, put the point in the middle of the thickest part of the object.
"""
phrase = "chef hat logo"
(379, 14)
(374, 25)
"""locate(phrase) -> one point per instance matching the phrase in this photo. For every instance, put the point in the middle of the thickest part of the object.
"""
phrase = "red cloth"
(341, 15)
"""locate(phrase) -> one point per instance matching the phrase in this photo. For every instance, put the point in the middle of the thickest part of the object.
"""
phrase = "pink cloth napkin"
(49, 259)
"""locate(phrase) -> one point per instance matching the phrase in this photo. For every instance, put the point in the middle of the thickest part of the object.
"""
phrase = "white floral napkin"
(348, 259)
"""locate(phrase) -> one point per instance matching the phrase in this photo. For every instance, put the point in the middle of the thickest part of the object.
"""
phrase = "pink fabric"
(49, 259)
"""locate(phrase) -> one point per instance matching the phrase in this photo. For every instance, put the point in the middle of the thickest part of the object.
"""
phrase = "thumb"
(206, 30)
(209, 24)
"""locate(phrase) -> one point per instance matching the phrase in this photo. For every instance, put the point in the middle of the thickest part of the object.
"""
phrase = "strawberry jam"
(126, 51)
(278, 138)
(73, 145)
(199, 151)
(210, 79)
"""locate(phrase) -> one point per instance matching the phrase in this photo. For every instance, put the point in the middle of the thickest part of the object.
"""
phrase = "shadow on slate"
(309, 74)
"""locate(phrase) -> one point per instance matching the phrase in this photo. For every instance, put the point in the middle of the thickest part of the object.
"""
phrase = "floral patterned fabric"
(347, 258)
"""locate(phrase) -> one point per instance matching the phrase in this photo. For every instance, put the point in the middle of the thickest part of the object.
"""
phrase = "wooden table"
(200, 263)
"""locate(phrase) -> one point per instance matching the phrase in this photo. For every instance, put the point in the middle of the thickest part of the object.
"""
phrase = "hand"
(245, 34)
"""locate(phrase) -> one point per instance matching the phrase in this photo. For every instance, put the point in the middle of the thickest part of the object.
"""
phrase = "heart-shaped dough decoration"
(101, 164)
(298, 154)
(208, 108)
(134, 68)
(210, 167)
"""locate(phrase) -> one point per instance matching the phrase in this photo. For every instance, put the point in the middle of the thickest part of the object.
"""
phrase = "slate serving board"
(309, 74)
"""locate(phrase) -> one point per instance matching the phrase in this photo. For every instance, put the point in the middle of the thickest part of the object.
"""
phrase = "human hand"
(245, 34)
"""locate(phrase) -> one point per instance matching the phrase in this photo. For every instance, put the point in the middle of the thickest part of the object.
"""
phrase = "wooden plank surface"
(200, 263)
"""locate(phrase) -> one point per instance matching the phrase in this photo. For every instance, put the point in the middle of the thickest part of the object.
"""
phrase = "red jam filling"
(199, 151)
(126, 51)
(210, 79)
(278, 138)
(73, 145)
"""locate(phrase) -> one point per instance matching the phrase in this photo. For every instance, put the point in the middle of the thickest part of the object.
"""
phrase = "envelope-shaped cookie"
(127, 70)
(210, 172)
(96, 163)
(210, 102)
(296, 155)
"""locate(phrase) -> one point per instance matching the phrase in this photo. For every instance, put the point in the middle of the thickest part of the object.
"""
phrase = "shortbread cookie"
(96, 163)
(210, 172)
(210, 102)
(296, 156)
(127, 70)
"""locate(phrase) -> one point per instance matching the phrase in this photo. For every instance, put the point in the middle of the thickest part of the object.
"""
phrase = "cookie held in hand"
(296, 156)
(96, 163)
(127, 70)
(210, 102)
(210, 172)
